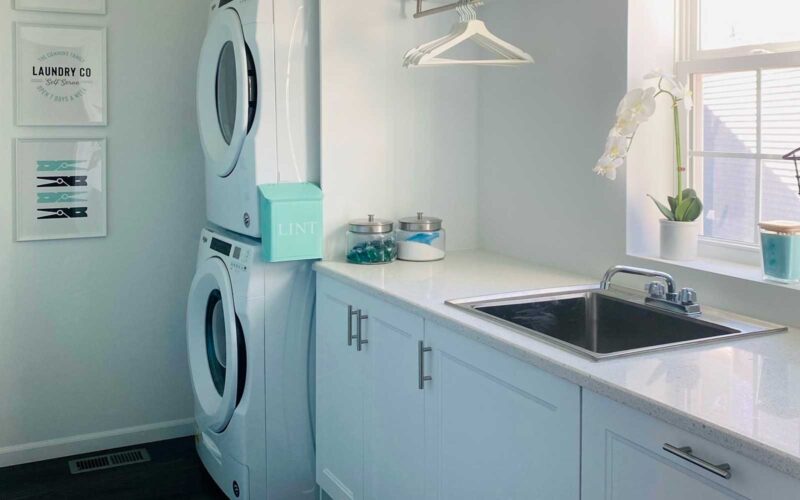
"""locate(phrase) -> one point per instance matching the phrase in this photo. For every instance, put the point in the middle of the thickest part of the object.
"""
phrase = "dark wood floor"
(173, 472)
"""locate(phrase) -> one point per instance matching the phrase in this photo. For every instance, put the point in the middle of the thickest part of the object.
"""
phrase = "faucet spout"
(684, 302)
(672, 287)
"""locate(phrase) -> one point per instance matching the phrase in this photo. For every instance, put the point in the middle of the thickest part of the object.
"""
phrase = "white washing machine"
(248, 332)
(257, 104)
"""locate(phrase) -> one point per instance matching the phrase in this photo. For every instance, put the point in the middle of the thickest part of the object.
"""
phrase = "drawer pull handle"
(359, 340)
(421, 352)
(350, 313)
(721, 470)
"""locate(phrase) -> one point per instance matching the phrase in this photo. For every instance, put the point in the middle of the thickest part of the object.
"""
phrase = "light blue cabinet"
(624, 459)
(483, 425)
(370, 411)
(341, 388)
(497, 427)
(423, 412)
(394, 406)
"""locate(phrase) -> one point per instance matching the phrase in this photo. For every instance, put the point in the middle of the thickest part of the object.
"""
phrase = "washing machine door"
(225, 92)
(213, 340)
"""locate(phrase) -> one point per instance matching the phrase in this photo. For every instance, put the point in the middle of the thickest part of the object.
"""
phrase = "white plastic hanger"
(469, 28)
(413, 55)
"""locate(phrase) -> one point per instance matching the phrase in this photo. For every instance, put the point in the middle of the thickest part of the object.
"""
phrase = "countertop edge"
(755, 450)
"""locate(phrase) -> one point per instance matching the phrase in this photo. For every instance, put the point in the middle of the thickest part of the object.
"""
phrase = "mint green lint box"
(291, 222)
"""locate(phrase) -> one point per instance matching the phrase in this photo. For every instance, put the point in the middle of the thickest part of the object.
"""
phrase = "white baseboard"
(96, 441)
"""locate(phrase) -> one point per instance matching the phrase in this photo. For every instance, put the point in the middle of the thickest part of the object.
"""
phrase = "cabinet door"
(497, 427)
(624, 459)
(395, 405)
(340, 394)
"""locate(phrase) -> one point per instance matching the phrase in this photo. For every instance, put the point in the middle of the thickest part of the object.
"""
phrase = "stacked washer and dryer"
(249, 322)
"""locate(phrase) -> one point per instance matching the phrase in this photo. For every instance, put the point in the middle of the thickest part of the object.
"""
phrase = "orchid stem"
(678, 151)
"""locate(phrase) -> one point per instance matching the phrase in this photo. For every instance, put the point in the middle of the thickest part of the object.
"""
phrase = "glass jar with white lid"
(421, 239)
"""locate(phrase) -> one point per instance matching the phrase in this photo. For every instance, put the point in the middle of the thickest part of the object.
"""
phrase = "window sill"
(723, 268)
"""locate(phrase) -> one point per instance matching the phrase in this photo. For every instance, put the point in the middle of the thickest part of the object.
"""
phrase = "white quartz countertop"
(742, 394)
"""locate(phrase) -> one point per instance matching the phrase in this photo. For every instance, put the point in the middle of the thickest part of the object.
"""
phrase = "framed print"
(60, 75)
(67, 6)
(60, 188)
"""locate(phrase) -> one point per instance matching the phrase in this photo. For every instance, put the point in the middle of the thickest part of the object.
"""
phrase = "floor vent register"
(109, 461)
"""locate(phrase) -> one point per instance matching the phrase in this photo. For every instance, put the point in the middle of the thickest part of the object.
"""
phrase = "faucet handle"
(656, 290)
(687, 297)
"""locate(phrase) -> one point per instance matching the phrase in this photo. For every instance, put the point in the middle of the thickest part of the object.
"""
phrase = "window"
(743, 62)
(726, 24)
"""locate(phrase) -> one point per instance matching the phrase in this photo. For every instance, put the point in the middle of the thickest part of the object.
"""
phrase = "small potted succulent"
(680, 226)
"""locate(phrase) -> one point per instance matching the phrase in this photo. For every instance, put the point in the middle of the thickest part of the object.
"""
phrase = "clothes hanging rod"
(439, 10)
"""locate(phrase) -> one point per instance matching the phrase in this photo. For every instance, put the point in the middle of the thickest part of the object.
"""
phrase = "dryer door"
(213, 336)
(225, 92)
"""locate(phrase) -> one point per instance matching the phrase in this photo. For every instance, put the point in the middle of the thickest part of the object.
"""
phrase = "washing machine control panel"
(236, 255)
(221, 247)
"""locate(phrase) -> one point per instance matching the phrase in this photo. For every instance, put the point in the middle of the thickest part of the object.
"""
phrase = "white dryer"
(257, 104)
(248, 332)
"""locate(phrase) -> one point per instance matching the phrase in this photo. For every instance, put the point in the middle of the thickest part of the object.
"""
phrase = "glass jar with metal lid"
(421, 239)
(371, 241)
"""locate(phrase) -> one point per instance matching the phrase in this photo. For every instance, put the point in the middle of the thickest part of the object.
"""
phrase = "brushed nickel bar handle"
(359, 340)
(350, 313)
(422, 377)
(685, 452)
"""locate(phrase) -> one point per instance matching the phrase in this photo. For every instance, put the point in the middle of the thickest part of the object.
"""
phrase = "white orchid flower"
(638, 105)
(671, 85)
(666, 78)
(616, 146)
(626, 125)
(607, 167)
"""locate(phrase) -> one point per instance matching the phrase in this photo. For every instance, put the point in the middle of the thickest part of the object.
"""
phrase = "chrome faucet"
(638, 271)
(683, 301)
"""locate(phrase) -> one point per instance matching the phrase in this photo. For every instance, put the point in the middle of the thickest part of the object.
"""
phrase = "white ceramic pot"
(679, 239)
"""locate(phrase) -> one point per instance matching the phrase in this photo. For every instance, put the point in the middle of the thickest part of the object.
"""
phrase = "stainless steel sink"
(612, 323)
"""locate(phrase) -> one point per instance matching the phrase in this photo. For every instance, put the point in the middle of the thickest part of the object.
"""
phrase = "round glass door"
(216, 340)
(223, 92)
(226, 91)
(215, 348)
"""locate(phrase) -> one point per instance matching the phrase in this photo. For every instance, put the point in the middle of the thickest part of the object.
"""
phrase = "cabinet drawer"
(624, 457)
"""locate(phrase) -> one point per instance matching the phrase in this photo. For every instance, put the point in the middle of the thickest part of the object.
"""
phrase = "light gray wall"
(542, 128)
(92, 331)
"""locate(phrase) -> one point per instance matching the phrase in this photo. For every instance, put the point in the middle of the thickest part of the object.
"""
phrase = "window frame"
(691, 62)
(690, 14)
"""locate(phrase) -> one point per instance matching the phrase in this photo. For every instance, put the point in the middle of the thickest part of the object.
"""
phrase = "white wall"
(394, 141)
(92, 331)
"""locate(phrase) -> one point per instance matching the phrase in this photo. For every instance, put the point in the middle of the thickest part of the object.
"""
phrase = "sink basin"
(603, 324)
